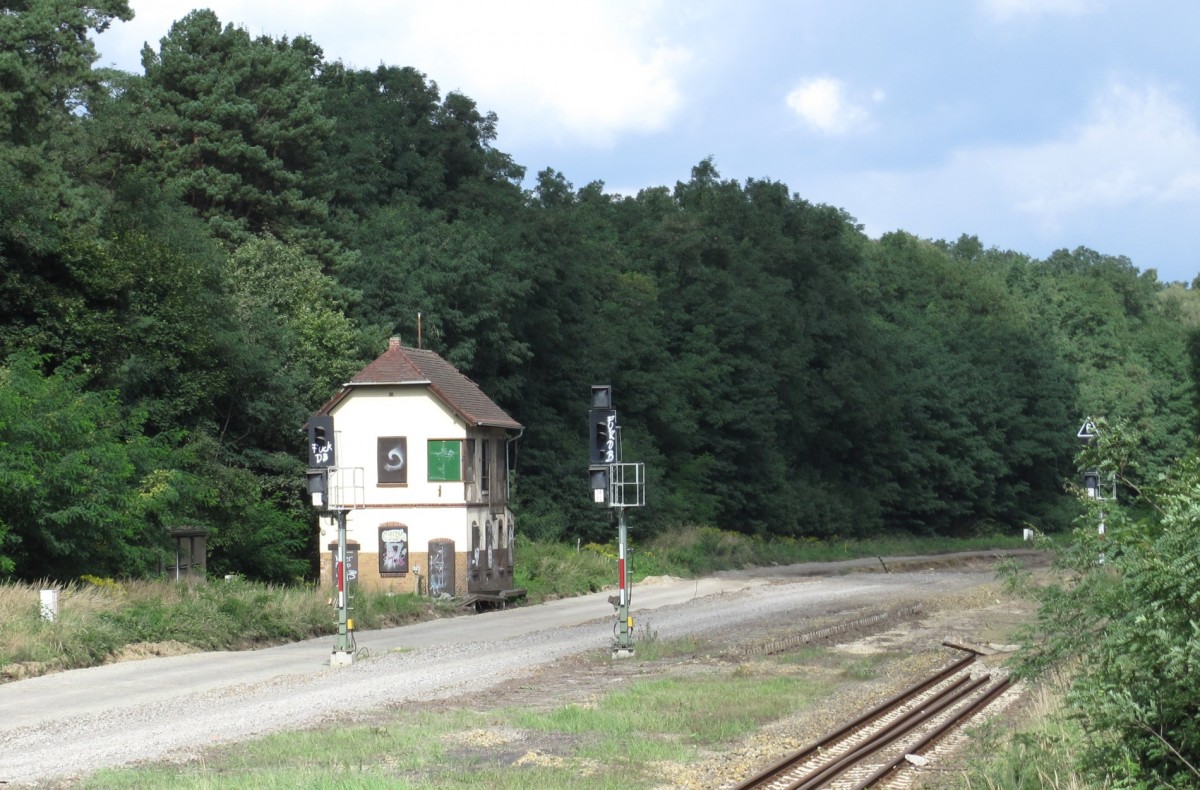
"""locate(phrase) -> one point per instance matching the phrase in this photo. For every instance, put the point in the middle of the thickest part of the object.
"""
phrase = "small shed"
(191, 555)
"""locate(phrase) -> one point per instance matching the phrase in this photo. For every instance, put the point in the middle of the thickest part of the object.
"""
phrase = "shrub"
(550, 570)
(1124, 625)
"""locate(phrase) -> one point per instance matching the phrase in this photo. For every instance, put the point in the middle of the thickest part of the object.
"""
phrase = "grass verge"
(554, 570)
(626, 738)
(100, 620)
(1039, 755)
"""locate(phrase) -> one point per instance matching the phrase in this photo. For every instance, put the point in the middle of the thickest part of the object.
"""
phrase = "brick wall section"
(370, 579)
(462, 572)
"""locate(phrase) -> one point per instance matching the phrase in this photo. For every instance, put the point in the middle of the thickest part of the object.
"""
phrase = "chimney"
(394, 344)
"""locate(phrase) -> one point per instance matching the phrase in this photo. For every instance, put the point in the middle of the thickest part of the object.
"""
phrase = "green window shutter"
(445, 460)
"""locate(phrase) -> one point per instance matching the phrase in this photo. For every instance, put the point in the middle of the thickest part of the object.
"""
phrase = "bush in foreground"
(1124, 627)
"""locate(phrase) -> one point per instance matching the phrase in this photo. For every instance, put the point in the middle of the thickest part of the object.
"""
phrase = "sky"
(1035, 125)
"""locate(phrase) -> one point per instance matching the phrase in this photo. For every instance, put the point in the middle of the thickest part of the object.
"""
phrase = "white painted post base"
(341, 658)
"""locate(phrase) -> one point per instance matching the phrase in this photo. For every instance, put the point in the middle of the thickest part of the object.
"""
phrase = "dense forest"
(194, 258)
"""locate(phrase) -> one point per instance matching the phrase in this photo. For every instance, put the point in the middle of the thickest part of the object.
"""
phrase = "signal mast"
(616, 485)
(322, 465)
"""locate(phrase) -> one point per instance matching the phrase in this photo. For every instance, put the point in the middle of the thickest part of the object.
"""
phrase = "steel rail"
(876, 712)
(933, 737)
(894, 731)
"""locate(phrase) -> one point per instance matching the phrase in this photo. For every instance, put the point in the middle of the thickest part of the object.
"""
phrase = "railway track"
(874, 749)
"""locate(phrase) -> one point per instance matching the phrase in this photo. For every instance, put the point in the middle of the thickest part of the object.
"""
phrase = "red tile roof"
(400, 366)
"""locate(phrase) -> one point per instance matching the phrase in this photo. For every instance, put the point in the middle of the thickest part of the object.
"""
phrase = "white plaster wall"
(424, 525)
(429, 510)
(396, 411)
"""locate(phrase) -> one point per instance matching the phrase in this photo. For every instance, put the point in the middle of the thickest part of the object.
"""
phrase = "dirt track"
(70, 724)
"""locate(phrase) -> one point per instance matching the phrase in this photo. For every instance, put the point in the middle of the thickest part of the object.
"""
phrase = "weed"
(865, 668)
(1041, 756)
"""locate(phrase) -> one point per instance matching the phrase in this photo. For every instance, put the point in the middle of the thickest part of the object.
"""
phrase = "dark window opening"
(485, 460)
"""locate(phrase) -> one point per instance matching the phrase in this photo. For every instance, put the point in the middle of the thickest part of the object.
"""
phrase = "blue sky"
(1033, 124)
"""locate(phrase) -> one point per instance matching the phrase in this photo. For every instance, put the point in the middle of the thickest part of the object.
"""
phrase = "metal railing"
(347, 488)
(627, 485)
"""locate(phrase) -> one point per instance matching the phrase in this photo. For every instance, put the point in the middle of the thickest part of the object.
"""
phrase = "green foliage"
(977, 397)
(296, 345)
(158, 286)
(1124, 625)
(764, 338)
(68, 477)
(256, 524)
(1035, 756)
(701, 550)
(375, 609)
(45, 69)
(213, 247)
(459, 275)
(46, 85)
(1124, 338)
(397, 139)
(98, 621)
(234, 125)
(554, 570)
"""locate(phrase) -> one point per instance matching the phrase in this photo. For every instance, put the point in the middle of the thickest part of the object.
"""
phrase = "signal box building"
(421, 459)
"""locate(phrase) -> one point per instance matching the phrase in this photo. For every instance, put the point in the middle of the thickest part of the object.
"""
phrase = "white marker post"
(50, 605)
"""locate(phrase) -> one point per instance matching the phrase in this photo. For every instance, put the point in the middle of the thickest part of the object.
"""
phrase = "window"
(392, 454)
(445, 460)
(485, 462)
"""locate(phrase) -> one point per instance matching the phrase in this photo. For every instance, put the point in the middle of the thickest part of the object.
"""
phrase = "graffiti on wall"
(441, 568)
(351, 563)
(393, 549)
(392, 459)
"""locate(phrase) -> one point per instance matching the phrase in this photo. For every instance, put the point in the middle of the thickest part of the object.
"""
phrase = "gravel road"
(72, 723)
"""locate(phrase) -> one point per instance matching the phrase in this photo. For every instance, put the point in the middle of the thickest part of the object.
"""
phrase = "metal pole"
(343, 652)
(625, 621)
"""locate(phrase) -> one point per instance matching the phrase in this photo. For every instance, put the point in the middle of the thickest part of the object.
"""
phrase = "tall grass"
(100, 618)
(694, 550)
(1042, 755)
(554, 570)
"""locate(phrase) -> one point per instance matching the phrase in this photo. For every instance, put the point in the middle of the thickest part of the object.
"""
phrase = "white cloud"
(1136, 146)
(1135, 154)
(586, 71)
(822, 103)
